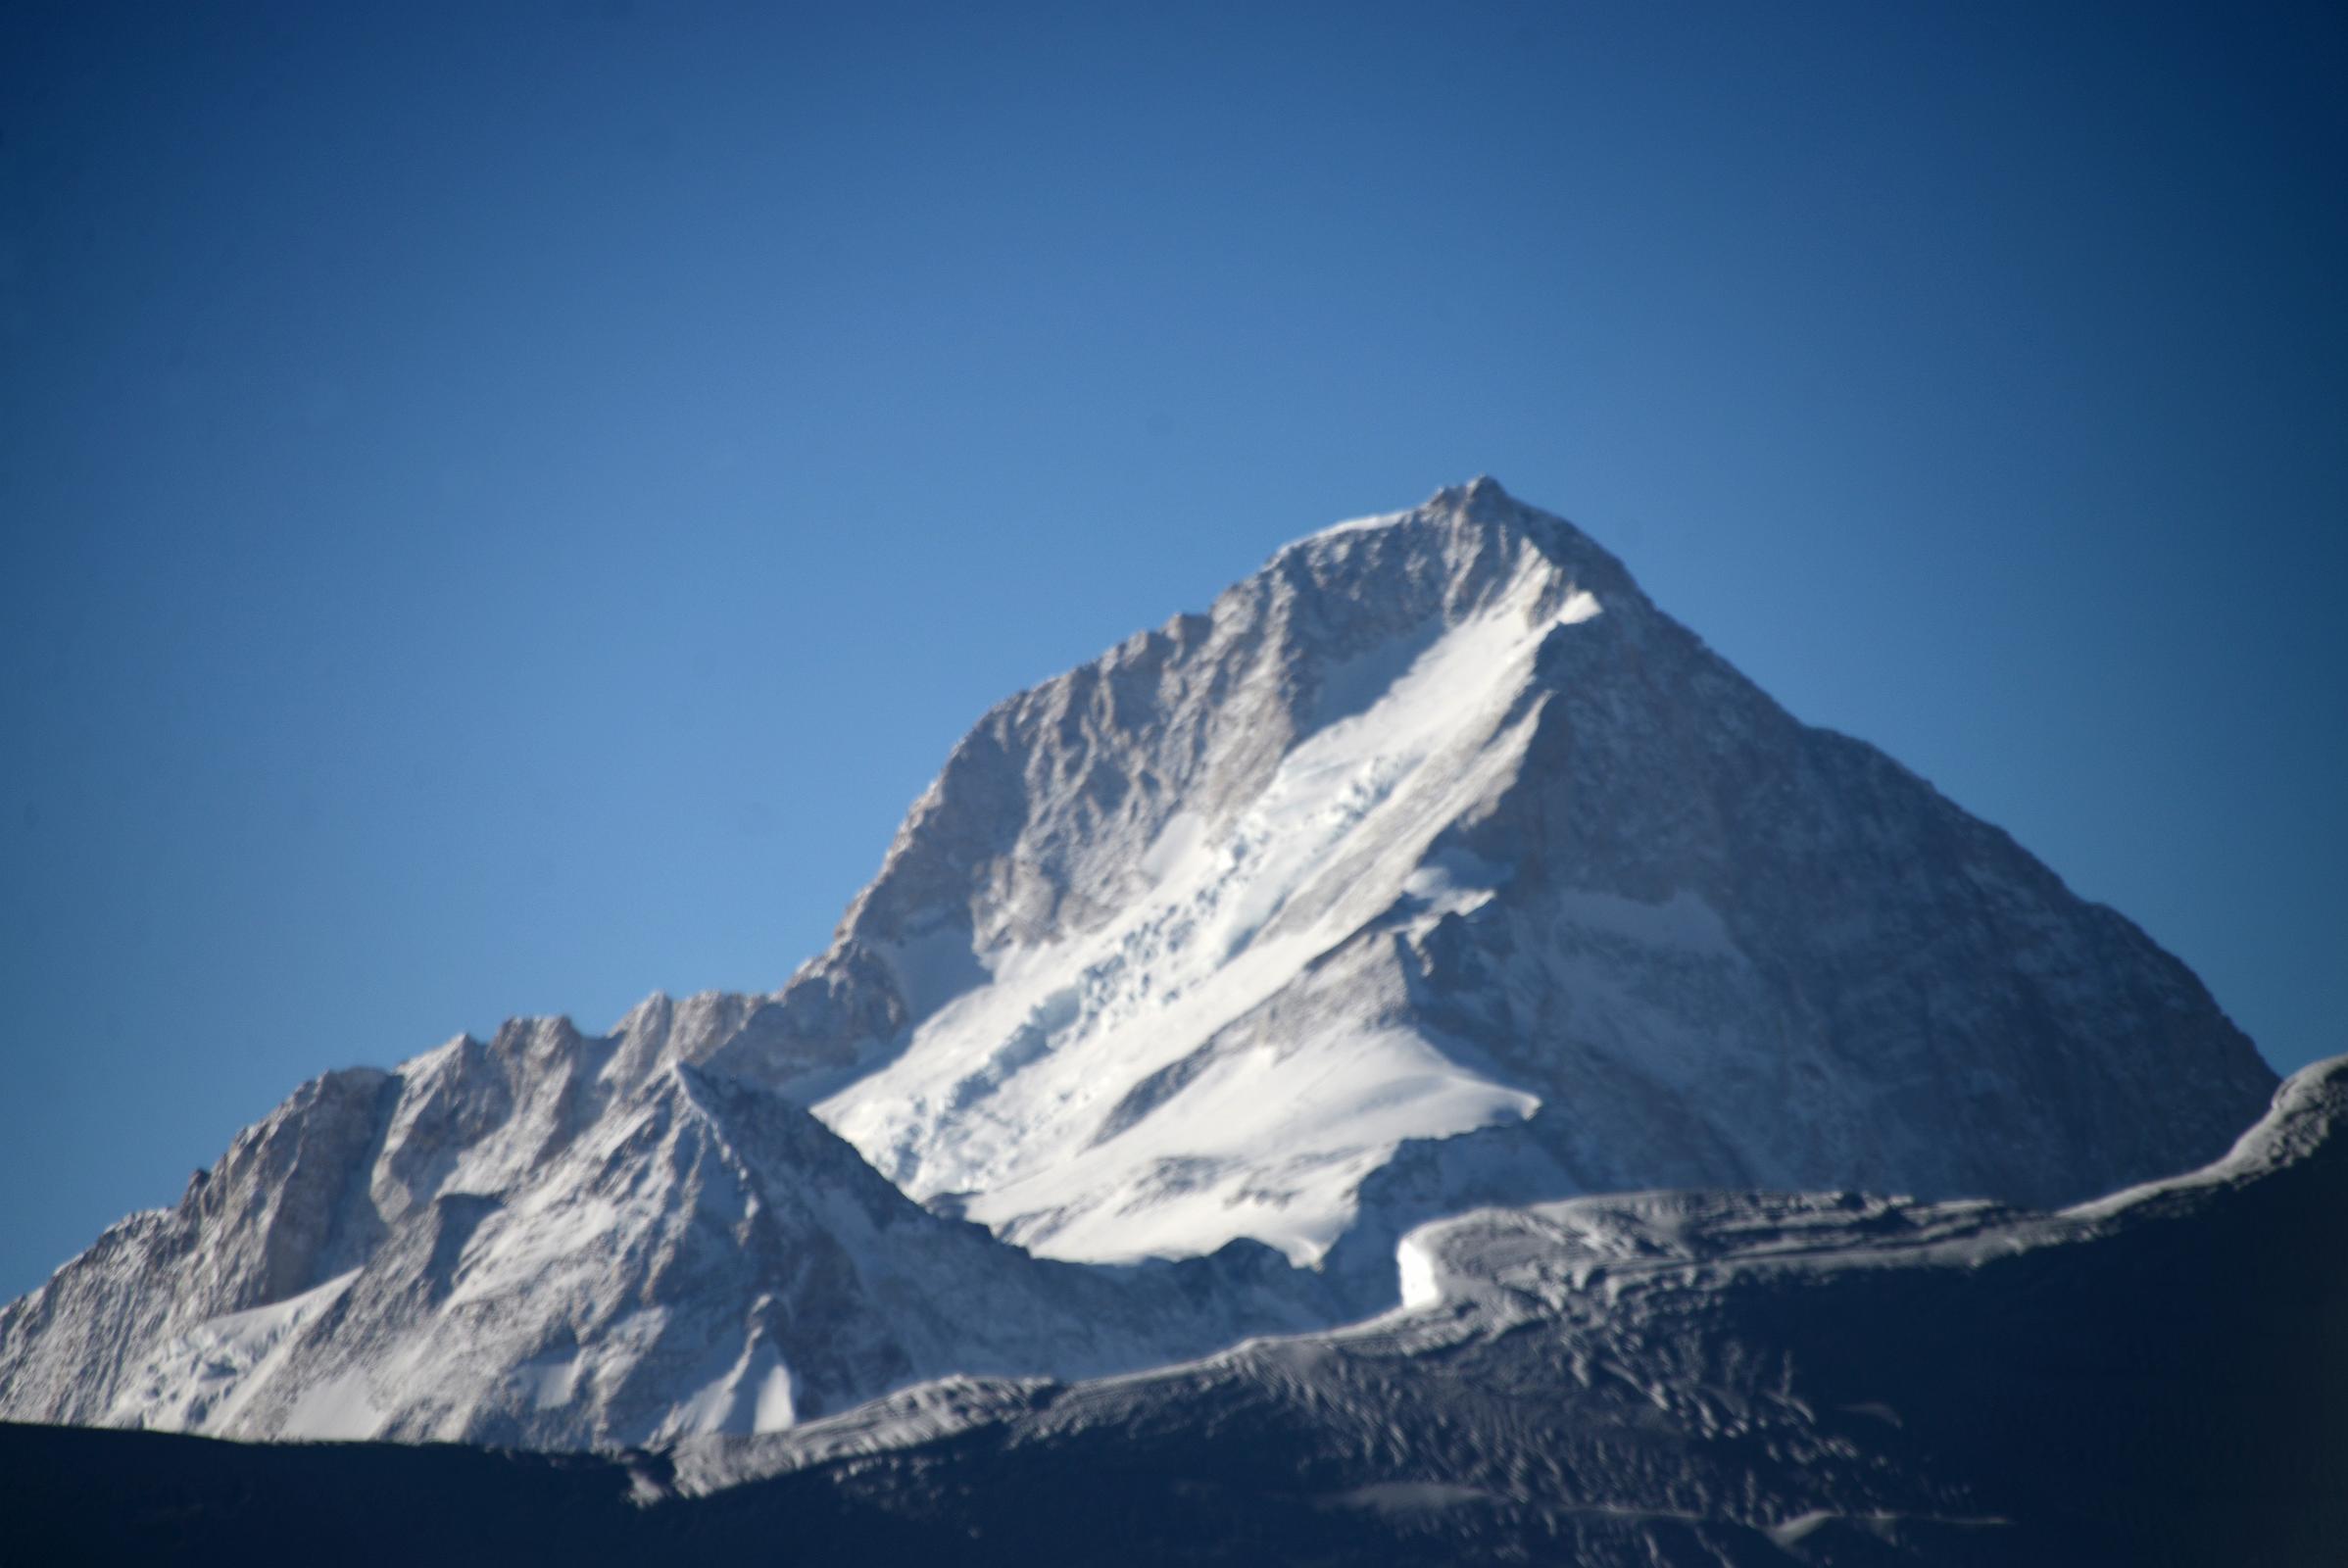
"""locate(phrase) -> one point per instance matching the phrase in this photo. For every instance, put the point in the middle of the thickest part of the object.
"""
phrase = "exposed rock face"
(1432, 867)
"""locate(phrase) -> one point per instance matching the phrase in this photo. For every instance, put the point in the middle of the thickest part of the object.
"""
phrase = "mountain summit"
(1432, 868)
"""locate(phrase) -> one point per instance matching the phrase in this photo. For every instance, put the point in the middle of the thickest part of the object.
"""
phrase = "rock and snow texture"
(1435, 865)
(1432, 867)
(555, 1241)
(2152, 1378)
(1738, 1379)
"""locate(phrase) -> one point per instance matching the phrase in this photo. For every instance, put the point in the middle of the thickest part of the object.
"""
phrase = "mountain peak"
(1466, 544)
(1479, 501)
(1481, 496)
(1437, 865)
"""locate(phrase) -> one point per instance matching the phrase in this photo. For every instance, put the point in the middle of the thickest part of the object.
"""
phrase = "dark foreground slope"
(2159, 1378)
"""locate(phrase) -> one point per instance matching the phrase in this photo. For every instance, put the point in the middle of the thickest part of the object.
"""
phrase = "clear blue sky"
(504, 507)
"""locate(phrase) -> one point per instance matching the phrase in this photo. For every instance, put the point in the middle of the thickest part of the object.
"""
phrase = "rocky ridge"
(556, 1241)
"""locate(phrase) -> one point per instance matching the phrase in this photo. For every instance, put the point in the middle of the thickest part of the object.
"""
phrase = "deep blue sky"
(503, 511)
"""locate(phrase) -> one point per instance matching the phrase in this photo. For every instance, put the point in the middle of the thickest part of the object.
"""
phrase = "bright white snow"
(1001, 1091)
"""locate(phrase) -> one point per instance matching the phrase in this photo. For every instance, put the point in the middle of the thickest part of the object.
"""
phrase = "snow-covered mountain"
(1432, 867)
(555, 1241)
(1434, 864)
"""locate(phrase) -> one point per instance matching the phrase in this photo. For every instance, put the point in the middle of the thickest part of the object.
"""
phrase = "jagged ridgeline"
(1433, 866)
